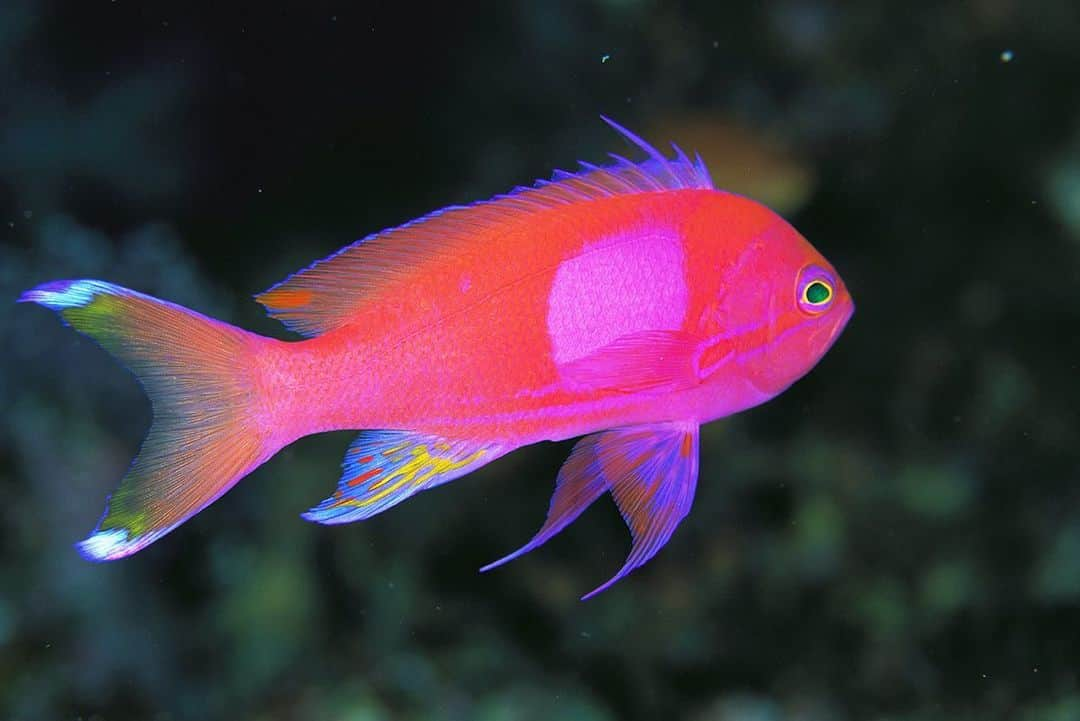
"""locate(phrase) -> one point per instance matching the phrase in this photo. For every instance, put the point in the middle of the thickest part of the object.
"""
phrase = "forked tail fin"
(205, 435)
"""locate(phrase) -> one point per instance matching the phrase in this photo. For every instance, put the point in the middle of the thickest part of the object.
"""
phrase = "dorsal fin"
(326, 294)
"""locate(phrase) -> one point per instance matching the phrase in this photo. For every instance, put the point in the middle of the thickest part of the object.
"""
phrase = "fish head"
(790, 306)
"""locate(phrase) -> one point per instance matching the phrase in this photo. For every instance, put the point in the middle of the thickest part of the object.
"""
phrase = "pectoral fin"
(658, 361)
(651, 470)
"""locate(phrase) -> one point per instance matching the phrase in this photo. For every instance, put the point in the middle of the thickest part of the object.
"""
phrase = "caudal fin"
(196, 371)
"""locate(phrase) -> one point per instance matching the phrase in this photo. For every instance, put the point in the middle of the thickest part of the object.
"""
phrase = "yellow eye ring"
(817, 293)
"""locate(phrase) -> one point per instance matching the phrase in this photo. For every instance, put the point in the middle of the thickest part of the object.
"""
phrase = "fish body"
(492, 330)
(628, 304)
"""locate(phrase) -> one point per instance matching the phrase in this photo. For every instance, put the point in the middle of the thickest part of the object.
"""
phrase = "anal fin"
(383, 468)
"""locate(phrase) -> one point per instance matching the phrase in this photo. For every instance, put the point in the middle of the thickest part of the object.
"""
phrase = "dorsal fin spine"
(327, 294)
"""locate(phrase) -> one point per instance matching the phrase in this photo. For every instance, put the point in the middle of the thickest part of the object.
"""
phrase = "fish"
(624, 304)
(747, 160)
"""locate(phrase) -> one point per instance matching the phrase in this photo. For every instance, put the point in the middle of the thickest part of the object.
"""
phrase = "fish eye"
(817, 293)
(816, 290)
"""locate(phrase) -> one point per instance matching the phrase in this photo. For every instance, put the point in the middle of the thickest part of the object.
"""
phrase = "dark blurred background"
(895, 538)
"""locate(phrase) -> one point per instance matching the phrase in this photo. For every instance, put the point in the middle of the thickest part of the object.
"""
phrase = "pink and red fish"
(628, 304)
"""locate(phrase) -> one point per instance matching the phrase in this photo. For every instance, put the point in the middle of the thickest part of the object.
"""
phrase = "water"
(896, 537)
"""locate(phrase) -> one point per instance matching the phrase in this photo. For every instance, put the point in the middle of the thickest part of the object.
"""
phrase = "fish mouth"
(832, 331)
(840, 324)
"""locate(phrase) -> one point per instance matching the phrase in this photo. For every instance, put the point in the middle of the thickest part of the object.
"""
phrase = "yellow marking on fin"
(395, 449)
(421, 468)
(380, 495)
(416, 451)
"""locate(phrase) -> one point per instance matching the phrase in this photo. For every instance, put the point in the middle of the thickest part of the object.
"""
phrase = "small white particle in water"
(260, 190)
(586, 634)
(1006, 56)
(605, 58)
(716, 43)
(333, 18)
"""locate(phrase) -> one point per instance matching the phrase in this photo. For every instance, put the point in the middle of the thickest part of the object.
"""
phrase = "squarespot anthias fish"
(627, 304)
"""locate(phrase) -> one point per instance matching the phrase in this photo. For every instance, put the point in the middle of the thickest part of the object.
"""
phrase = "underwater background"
(897, 537)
